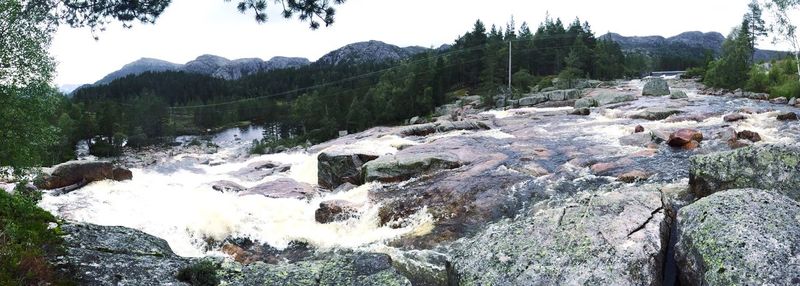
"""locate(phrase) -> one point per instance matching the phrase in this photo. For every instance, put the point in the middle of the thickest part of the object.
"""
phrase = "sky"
(190, 28)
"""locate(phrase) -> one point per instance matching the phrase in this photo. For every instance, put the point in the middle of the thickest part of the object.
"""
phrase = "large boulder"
(405, 165)
(585, 102)
(656, 87)
(335, 210)
(283, 188)
(684, 136)
(337, 166)
(739, 237)
(81, 172)
(605, 98)
(678, 94)
(533, 100)
(769, 167)
(113, 255)
(655, 113)
(614, 238)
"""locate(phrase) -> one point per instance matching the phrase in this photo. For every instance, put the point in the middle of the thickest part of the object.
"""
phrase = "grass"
(26, 240)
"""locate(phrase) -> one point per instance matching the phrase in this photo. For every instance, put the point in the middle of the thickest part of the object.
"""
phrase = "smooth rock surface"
(655, 87)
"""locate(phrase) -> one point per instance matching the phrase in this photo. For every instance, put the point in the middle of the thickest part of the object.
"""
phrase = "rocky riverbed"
(614, 188)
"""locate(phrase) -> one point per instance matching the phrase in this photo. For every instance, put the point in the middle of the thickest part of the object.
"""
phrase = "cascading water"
(174, 200)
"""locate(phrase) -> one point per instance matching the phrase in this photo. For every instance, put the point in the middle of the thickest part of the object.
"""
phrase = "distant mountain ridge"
(695, 39)
(369, 51)
(220, 67)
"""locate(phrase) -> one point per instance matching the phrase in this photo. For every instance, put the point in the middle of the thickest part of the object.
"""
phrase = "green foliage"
(523, 80)
(203, 273)
(26, 241)
(731, 70)
(758, 79)
(695, 72)
(788, 89)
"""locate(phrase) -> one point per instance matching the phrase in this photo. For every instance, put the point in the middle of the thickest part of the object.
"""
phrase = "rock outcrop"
(769, 167)
(82, 172)
(342, 165)
(656, 113)
(739, 237)
(283, 188)
(615, 238)
(678, 94)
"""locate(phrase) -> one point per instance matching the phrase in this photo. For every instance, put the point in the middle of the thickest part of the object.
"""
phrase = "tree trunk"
(797, 61)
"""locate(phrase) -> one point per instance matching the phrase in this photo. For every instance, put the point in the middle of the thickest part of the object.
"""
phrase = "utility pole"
(509, 67)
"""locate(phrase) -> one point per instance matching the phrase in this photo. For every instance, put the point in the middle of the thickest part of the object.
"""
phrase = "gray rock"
(769, 167)
(533, 100)
(283, 188)
(734, 117)
(113, 255)
(641, 139)
(739, 237)
(606, 98)
(335, 210)
(585, 102)
(581, 111)
(793, 101)
(138, 67)
(342, 165)
(655, 87)
(779, 100)
(656, 113)
(365, 52)
(227, 186)
(678, 94)
(442, 126)
(345, 268)
(615, 238)
(405, 165)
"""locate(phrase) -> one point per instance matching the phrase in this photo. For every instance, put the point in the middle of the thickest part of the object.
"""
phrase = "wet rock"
(779, 100)
(342, 165)
(638, 129)
(683, 137)
(633, 176)
(581, 111)
(259, 170)
(733, 117)
(737, 143)
(691, 145)
(405, 165)
(748, 135)
(282, 188)
(121, 174)
(606, 98)
(344, 188)
(585, 102)
(83, 172)
(341, 268)
(113, 255)
(743, 237)
(769, 167)
(335, 210)
(416, 120)
(655, 113)
(678, 94)
(533, 100)
(785, 116)
(792, 101)
(442, 126)
(727, 134)
(227, 187)
(247, 251)
(656, 87)
(615, 238)
(640, 139)
(425, 267)
(602, 168)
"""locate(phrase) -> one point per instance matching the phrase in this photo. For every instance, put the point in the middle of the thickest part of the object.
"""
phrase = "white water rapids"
(181, 207)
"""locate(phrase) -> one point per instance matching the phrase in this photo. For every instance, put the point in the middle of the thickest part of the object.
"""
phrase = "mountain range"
(377, 51)
(710, 41)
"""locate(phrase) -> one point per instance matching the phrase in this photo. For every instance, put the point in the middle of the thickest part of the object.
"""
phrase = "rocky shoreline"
(640, 188)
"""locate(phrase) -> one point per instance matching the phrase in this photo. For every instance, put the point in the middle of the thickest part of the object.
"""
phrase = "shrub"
(25, 242)
(788, 89)
(203, 273)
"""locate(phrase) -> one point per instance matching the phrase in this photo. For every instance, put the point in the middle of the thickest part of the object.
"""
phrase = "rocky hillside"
(208, 65)
(371, 51)
(708, 41)
(636, 184)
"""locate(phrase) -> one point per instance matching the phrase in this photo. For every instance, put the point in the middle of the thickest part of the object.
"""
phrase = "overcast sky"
(189, 28)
